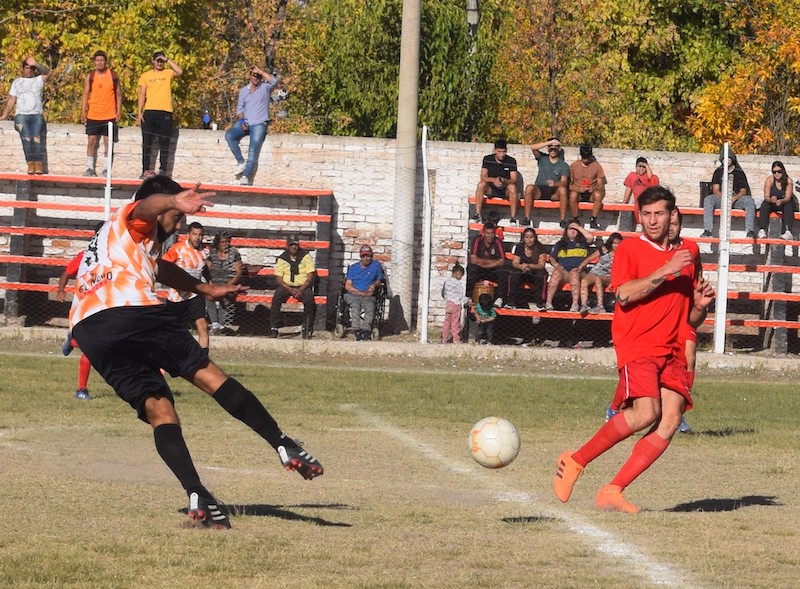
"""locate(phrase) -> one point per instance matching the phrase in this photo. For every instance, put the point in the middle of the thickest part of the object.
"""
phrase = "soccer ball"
(494, 442)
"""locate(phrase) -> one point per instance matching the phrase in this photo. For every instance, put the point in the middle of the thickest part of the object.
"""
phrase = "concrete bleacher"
(764, 274)
(46, 220)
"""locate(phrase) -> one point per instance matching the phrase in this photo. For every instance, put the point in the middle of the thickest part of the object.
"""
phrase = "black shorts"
(191, 309)
(496, 191)
(129, 345)
(585, 196)
(546, 192)
(101, 128)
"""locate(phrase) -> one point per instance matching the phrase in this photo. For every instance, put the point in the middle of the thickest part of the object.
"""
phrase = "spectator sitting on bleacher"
(587, 184)
(599, 276)
(485, 316)
(486, 261)
(569, 257)
(225, 265)
(294, 271)
(360, 283)
(778, 198)
(528, 264)
(498, 180)
(636, 182)
(552, 179)
(739, 194)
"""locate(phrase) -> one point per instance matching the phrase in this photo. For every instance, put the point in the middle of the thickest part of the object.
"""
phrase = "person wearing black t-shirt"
(498, 180)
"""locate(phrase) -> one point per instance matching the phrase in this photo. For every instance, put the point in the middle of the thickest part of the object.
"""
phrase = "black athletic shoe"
(203, 511)
(293, 457)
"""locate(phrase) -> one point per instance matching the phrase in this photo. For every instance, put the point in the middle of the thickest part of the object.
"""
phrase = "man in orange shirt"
(101, 104)
(657, 290)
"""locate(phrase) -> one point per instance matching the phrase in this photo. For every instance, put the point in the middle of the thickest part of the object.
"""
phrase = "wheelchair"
(343, 322)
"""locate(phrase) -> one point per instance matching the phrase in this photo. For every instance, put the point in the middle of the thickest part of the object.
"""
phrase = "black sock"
(246, 407)
(173, 451)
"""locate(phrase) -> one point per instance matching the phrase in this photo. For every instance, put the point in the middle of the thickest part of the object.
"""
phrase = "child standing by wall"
(453, 294)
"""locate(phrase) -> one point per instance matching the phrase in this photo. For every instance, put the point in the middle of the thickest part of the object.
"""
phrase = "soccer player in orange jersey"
(128, 334)
(657, 289)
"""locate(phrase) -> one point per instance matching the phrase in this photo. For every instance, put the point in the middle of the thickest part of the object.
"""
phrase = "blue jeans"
(257, 135)
(30, 128)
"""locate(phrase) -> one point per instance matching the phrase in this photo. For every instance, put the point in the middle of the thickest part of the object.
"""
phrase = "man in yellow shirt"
(295, 274)
(155, 113)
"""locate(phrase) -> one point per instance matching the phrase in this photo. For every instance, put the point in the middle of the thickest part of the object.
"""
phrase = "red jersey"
(648, 328)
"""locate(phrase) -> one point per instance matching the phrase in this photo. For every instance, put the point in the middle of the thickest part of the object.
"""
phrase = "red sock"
(84, 367)
(613, 431)
(645, 452)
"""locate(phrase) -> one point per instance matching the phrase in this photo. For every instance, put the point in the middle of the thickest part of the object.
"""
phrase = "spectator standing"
(295, 273)
(154, 114)
(778, 198)
(485, 316)
(190, 256)
(101, 104)
(636, 182)
(127, 334)
(529, 269)
(739, 194)
(252, 118)
(26, 95)
(569, 257)
(225, 266)
(498, 180)
(487, 259)
(363, 277)
(552, 179)
(455, 298)
(587, 184)
(656, 291)
(599, 276)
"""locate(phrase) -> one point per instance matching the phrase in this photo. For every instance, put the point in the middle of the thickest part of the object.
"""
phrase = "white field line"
(606, 543)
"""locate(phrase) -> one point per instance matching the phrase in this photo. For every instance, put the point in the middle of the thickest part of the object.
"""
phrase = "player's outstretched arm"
(188, 202)
(174, 276)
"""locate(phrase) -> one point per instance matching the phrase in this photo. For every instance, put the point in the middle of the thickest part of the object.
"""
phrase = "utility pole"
(405, 178)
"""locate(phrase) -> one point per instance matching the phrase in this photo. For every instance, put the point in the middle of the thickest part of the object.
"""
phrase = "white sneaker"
(240, 168)
(498, 302)
(762, 234)
(575, 308)
(244, 181)
(215, 327)
(787, 235)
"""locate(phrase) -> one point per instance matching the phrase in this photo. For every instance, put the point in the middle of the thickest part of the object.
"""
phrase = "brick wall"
(360, 171)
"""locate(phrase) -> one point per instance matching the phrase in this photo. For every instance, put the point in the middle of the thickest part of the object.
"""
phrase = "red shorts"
(645, 377)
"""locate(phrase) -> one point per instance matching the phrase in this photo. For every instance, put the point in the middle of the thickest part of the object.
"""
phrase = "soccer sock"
(613, 431)
(246, 407)
(84, 367)
(90, 162)
(645, 452)
(173, 451)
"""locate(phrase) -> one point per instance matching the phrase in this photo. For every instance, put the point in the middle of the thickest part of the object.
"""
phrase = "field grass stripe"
(605, 542)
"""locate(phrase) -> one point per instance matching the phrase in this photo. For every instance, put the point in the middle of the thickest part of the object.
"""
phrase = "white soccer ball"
(494, 442)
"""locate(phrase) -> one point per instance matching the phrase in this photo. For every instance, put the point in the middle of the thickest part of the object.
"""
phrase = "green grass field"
(88, 503)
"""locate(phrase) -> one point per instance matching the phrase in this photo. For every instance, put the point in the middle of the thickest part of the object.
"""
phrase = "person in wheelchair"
(361, 282)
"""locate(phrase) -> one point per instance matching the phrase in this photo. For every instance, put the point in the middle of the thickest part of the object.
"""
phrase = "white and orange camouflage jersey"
(118, 267)
(190, 259)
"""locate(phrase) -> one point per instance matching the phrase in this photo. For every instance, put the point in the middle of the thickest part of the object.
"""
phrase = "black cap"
(292, 239)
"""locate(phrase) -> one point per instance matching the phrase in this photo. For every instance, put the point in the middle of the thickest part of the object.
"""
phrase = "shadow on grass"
(263, 510)
(726, 504)
(722, 432)
(528, 519)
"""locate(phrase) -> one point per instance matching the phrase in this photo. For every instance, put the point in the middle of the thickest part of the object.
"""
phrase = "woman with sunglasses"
(26, 94)
(778, 198)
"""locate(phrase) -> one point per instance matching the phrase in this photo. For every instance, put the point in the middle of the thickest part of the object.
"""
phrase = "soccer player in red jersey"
(657, 289)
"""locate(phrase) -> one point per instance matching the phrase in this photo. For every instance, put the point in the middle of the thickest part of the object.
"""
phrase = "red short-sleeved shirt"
(686, 331)
(649, 327)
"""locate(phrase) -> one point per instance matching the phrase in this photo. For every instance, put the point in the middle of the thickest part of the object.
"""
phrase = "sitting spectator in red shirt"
(636, 182)
(487, 259)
